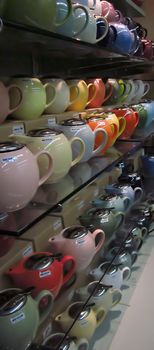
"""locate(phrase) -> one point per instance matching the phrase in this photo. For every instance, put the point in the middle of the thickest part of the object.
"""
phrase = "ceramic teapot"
(113, 202)
(144, 214)
(113, 119)
(131, 244)
(105, 219)
(142, 88)
(57, 341)
(19, 174)
(34, 98)
(79, 128)
(96, 29)
(100, 294)
(114, 275)
(20, 317)
(134, 179)
(121, 256)
(5, 100)
(87, 320)
(82, 101)
(38, 14)
(101, 95)
(61, 92)
(134, 230)
(58, 146)
(95, 123)
(125, 190)
(42, 270)
(81, 242)
(132, 119)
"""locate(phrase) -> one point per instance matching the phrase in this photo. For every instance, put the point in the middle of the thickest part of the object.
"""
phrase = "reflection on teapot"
(105, 219)
(42, 270)
(20, 317)
(57, 341)
(114, 275)
(87, 320)
(100, 295)
(81, 242)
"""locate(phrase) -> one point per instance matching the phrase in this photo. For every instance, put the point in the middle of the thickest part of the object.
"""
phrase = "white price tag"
(57, 224)
(27, 251)
(7, 160)
(52, 122)
(18, 318)
(18, 129)
(96, 192)
(81, 204)
(43, 274)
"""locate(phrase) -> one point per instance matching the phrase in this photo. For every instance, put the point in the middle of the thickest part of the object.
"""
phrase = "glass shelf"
(129, 8)
(49, 198)
(33, 51)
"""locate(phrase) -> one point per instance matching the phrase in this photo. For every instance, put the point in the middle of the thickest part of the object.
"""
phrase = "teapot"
(132, 119)
(105, 219)
(20, 317)
(134, 179)
(101, 95)
(142, 88)
(145, 111)
(82, 100)
(87, 319)
(42, 270)
(5, 101)
(114, 275)
(113, 202)
(121, 256)
(125, 190)
(97, 123)
(78, 240)
(101, 295)
(131, 244)
(57, 341)
(144, 214)
(134, 230)
(19, 174)
(55, 142)
(79, 128)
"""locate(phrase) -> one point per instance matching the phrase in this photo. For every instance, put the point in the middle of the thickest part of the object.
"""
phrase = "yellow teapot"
(82, 101)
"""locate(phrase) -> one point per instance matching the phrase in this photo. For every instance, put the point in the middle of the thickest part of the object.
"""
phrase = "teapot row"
(81, 20)
(29, 98)
(20, 308)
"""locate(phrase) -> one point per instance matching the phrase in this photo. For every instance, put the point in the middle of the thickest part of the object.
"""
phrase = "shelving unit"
(129, 8)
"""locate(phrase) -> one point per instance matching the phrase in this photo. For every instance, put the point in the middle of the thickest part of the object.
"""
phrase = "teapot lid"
(97, 289)
(123, 186)
(74, 232)
(121, 252)
(11, 300)
(108, 197)
(73, 122)
(111, 268)
(38, 261)
(99, 212)
(56, 339)
(75, 309)
(44, 132)
(10, 146)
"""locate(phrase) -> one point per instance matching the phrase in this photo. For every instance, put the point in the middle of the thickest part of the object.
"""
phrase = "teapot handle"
(120, 219)
(50, 166)
(93, 86)
(110, 91)
(127, 202)
(144, 232)
(117, 294)
(77, 94)
(126, 272)
(57, 24)
(137, 118)
(82, 151)
(134, 256)
(140, 192)
(146, 88)
(69, 274)
(102, 239)
(49, 86)
(122, 125)
(104, 142)
(82, 343)
(85, 10)
(106, 28)
(46, 310)
(100, 314)
(12, 86)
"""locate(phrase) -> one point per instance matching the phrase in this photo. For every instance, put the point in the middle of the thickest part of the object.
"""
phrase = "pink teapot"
(78, 240)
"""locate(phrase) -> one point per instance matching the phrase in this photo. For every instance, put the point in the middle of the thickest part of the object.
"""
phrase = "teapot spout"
(20, 138)
(56, 243)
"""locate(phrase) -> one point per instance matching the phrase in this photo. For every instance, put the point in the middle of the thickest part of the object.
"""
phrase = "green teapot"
(104, 219)
(20, 317)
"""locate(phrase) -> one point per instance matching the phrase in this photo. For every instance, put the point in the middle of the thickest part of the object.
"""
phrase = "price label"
(57, 224)
(43, 274)
(18, 129)
(52, 122)
(96, 192)
(27, 251)
(81, 204)
(17, 318)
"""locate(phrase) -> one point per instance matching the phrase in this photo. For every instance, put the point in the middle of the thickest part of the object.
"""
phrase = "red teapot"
(132, 120)
(100, 96)
(42, 270)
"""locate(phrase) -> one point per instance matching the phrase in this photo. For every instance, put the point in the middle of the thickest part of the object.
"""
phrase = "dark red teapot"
(42, 270)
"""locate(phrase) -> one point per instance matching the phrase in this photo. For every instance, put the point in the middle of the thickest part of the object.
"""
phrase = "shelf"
(37, 52)
(50, 198)
(129, 8)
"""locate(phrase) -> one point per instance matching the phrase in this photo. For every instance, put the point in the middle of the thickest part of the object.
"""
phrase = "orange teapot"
(95, 122)
(101, 94)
